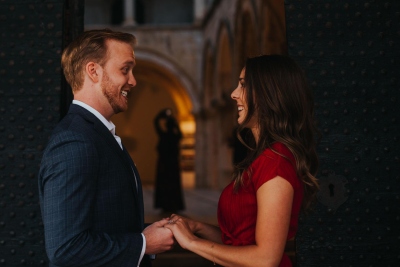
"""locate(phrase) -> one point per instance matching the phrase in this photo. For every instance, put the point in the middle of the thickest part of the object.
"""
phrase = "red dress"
(237, 212)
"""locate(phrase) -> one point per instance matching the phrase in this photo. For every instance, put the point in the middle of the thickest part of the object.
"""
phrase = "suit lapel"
(102, 130)
(138, 184)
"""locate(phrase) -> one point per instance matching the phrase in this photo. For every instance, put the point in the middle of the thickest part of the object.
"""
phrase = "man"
(90, 191)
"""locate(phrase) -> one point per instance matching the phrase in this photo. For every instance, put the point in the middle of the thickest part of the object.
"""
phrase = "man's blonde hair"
(89, 46)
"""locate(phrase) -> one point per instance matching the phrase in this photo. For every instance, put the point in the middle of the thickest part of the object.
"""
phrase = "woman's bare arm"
(274, 200)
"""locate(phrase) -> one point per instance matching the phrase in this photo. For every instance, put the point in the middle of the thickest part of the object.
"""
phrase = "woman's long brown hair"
(277, 94)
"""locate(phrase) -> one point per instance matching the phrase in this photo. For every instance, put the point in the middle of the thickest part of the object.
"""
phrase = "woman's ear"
(92, 71)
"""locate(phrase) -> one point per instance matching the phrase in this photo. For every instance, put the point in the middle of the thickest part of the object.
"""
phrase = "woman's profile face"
(239, 95)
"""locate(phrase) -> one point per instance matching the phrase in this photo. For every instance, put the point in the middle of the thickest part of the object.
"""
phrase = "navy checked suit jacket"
(91, 208)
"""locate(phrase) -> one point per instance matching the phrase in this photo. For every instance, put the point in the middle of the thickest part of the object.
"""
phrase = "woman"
(168, 190)
(258, 211)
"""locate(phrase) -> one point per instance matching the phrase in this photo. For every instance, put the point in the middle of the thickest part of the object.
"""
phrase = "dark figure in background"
(168, 191)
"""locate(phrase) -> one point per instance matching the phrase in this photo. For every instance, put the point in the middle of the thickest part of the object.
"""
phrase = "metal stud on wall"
(31, 43)
(350, 53)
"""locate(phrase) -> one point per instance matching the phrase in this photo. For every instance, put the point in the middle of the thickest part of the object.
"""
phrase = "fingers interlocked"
(173, 218)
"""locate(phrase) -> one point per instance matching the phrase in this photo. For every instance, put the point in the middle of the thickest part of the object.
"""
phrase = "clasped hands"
(162, 235)
(182, 228)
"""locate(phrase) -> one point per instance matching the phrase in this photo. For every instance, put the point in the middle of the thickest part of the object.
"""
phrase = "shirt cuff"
(143, 250)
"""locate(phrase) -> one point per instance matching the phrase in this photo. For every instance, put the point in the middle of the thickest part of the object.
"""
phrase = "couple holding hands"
(90, 190)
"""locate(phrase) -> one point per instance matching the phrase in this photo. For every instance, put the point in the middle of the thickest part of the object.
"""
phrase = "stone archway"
(159, 85)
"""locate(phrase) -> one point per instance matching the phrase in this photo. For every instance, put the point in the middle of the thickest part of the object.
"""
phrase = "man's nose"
(132, 80)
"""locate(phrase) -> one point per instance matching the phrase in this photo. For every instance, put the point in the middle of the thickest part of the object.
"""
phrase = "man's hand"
(158, 238)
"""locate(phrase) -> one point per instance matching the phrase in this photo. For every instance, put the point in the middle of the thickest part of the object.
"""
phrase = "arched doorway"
(159, 85)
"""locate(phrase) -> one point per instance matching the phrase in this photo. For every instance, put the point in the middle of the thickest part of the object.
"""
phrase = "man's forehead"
(121, 49)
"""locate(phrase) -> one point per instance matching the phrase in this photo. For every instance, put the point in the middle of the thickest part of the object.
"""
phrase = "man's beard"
(107, 87)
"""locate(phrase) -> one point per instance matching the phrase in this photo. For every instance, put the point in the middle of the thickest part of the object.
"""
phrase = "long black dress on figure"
(168, 189)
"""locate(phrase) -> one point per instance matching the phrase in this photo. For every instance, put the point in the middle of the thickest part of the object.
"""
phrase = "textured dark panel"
(73, 26)
(350, 51)
(31, 43)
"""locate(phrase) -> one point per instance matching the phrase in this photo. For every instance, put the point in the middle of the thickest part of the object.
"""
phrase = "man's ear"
(93, 70)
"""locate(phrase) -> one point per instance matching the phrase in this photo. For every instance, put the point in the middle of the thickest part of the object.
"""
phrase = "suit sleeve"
(67, 189)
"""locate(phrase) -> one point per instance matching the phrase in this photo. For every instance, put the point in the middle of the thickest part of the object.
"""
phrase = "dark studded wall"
(350, 51)
(32, 36)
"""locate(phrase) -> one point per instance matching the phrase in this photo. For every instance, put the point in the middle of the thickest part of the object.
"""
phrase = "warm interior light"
(187, 127)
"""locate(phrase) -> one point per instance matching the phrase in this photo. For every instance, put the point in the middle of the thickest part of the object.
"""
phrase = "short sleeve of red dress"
(271, 164)
(237, 212)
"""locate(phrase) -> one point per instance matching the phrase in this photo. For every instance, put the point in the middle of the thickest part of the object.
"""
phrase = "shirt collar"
(110, 126)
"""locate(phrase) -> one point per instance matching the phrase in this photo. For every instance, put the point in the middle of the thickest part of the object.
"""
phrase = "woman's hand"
(194, 226)
(181, 230)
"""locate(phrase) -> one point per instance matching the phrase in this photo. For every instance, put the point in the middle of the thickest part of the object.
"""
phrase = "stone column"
(129, 13)
(199, 10)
